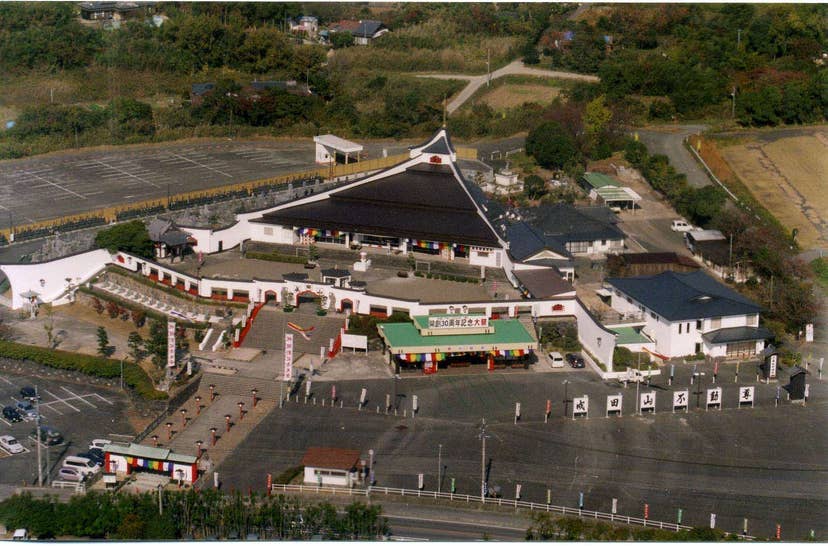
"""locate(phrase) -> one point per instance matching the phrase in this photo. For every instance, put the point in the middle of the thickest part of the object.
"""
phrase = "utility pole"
(160, 502)
(439, 466)
(638, 383)
(39, 465)
(738, 38)
(488, 67)
(483, 485)
(733, 106)
(730, 259)
(122, 374)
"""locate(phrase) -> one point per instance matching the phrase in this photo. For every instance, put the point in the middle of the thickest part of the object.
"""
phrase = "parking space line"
(79, 398)
(127, 173)
(59, 399)
(3, 378)
(202, 165)
(101, 398)
(55, 185)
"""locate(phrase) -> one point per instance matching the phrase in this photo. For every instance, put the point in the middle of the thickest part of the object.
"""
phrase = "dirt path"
(513, 68)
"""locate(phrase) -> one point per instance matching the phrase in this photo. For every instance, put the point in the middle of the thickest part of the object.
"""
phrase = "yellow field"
(789, 176)
(510, 95)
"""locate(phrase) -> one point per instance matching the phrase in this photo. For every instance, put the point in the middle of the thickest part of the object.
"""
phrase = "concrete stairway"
(270, 325)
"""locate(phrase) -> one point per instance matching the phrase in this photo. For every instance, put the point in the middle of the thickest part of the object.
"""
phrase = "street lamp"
(698, 376)
(213, 435)
(198, 405)
(155, 440)
(566, 396)
(198, 446)
(255, 392)
(169, 431)
(227, 422)
(439, 466)
(241, 410)
(212, 392)
(484, 488)
(183, 418)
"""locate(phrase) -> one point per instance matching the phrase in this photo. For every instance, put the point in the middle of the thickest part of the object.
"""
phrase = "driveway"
(513, 68)
(669, 140)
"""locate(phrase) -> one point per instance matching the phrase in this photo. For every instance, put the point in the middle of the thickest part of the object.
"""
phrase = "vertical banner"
(614, 506)
(680, 400)
(580, 406)
(746, 395)
(415, 403)
(171, 344)
(288, 373)
(363, 396)
(809, 332)
(614, 403)
(714, 397)
(322, 354)
(712, 521)
(420, 481)
(333, 393)
(647, 401)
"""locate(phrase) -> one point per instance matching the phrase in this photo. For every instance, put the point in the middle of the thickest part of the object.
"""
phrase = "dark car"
(11, 414)
(48, 436)
(94, 455)
(571, 358)
(29, 393)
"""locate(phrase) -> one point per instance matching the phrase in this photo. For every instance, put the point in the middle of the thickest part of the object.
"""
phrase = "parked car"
(94, 455)
(29, 393)
(681, 225)
(71, 474)
(11, 414)
(10, 444)
(579, 363)
(85, 465)
(26, 409)
(557, 359)
(99, 443)
(48, 436)
(570, 358)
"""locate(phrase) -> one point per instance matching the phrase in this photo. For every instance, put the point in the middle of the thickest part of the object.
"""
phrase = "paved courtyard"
(765, 463)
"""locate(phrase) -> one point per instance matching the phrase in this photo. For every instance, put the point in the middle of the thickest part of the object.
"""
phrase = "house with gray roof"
(582, 231)
(691, 313)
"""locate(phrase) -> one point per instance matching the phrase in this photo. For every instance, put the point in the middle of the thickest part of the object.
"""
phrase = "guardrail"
(77, 486)
(534, 506)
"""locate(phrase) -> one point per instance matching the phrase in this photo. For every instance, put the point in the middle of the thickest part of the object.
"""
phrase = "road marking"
(127, 173)
(80, 398)
(3, 378)
(101, 398)
(455, 522)
(55, 185)
(205, 166)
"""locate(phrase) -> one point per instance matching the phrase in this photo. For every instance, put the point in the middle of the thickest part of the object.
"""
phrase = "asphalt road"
(765, 463)
(669, 141)
(513, 68)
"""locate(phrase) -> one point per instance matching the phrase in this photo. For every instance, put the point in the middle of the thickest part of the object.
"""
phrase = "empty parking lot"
(67, 183)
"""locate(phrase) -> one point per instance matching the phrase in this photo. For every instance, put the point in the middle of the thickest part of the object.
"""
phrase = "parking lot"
(47, 187)
(80, 413)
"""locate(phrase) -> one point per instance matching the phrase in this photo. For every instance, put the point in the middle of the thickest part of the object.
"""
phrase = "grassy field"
(511, 95)
(786, 172)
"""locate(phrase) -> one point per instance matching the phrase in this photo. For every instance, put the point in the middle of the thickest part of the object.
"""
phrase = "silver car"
(70, 474)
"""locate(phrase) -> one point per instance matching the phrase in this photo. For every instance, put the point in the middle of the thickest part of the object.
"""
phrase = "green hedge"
(276, 257)
(95, 366)
(447, 277)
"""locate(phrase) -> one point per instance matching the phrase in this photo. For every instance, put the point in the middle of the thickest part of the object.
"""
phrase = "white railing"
(77, 486)
(538, 506)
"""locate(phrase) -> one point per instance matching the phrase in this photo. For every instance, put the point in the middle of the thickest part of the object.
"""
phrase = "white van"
(84, 465)
(681, 225)
(557, 359)
(99, 443)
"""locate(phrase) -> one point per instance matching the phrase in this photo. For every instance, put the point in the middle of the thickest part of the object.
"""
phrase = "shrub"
(134, 375)
(287, 475)
(275, 257)
(112, 309)
(97, 305)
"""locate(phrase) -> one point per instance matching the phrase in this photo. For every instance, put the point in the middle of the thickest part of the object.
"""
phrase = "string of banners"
(439, 357)
(314, 232)
(152, 465)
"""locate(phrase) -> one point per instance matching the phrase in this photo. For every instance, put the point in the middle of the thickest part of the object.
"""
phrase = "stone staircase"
(270, 326)
(174, 311)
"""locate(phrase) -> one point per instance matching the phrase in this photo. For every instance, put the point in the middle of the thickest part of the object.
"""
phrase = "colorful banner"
(288, 368)
(304, 332)
(313, 232)
(428, 244)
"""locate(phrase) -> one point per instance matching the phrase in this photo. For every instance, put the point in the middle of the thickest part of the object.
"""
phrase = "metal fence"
(534, 506)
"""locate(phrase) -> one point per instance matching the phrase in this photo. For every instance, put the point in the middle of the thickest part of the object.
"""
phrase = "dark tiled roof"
(543, 283)
(368, 28)
(566, 223)
(424, 202)
(295, 277)
(685, 296)
(199, 89)
(338, 273)
(738, 333)
(717, 251)
(659, 258)
(175, 237)
(440, 146)
(331, 457)
(525, 241)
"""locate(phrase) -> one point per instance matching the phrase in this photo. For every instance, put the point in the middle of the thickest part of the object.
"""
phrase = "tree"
(104, 349)
(136, 344)
(552, 146)
(129, 237)
(596, 121)
(534, 187)
(156, 344)
(342, 39)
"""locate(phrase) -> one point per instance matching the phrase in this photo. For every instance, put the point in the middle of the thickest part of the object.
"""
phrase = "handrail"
(534, 506)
